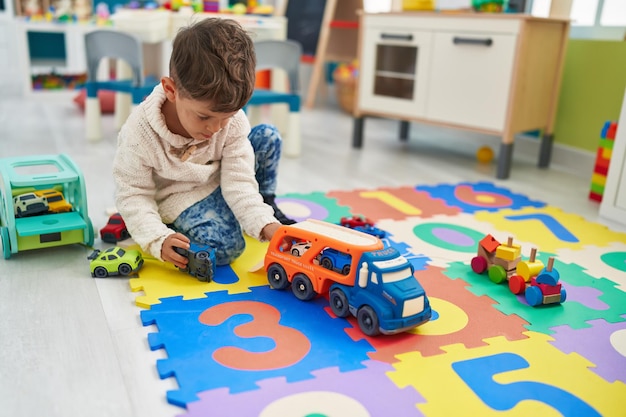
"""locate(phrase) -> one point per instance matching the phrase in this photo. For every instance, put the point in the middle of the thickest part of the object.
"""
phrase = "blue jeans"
(211, 222)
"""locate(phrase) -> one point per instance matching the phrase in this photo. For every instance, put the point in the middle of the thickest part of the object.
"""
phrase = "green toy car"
(114, 261)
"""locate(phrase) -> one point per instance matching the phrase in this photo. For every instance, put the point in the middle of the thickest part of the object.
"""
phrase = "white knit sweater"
(153, 185)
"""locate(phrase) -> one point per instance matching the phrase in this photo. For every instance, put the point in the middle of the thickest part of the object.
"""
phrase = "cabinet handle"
(395, 36)
(472, 41)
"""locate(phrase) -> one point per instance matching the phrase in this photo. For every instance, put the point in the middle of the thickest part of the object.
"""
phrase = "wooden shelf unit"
(337, 41)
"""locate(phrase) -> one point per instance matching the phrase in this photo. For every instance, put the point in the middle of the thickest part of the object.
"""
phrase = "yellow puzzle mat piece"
(160, 279)
(552, 227)
(545, 373)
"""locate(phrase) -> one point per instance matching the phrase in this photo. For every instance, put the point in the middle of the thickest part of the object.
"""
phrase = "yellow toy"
(484, 155)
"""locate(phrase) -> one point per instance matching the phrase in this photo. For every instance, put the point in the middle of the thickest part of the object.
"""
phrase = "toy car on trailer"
(201, 261)
(355, 221)
(115, 229)
(377, 286)
(21, 175)
(364, 225)
(114, 261)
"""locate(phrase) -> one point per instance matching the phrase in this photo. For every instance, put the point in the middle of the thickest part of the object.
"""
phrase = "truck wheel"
(368, 321)
(277, 277)
(346, 270)
(124, 269)
(100, 272)
(339, 303)
(302, 287)
(327, 263)
(202, 255)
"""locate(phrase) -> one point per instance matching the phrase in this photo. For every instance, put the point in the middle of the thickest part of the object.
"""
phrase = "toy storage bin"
(20, 175)
(150, 26)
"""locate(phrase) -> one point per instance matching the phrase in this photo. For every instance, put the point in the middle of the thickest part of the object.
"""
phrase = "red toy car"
(115, 230)
(356, 221)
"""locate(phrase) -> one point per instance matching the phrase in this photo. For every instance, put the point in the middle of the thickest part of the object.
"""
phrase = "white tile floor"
(74, 346)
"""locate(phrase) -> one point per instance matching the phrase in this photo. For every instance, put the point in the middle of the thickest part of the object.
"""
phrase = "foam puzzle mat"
(236, 347)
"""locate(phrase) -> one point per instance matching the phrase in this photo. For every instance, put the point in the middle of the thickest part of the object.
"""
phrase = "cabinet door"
(471, 78)
(394, 69)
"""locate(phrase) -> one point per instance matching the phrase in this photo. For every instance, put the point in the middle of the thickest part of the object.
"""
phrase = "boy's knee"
(266, 135)
(227, 253)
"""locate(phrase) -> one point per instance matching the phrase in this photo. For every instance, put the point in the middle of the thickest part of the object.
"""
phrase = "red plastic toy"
(115, 230)
(356, 221)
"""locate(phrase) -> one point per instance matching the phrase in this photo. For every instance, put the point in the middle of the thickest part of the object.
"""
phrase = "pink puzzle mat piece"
(392, 203)
(458, 317)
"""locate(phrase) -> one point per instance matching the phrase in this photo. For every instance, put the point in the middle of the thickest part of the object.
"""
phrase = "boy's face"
(192, 118)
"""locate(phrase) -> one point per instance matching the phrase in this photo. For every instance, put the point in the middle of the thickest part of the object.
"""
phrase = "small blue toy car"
(201, 261)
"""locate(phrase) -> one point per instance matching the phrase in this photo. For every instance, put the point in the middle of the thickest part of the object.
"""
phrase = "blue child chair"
(124, 47)
(285, 55)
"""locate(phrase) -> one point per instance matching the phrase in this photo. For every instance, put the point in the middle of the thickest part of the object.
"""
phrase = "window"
(591, 19)
(613, 13)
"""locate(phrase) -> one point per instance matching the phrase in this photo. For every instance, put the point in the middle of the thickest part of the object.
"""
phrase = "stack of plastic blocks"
(603, 159)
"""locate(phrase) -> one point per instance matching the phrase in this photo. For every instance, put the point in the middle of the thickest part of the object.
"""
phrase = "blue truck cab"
(386, 298)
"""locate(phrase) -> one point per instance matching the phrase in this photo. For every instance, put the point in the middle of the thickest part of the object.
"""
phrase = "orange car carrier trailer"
(362, 277)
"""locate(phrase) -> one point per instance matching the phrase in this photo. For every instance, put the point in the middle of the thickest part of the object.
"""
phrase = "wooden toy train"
(504, 262)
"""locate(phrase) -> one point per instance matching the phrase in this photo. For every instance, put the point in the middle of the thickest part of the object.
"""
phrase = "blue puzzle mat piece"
(419, 262)
(480, 196)
(236, 340)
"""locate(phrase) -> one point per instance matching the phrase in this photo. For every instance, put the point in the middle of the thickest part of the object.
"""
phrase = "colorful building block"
(603, 159)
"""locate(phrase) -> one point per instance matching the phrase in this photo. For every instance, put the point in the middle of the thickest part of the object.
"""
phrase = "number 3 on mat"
(291, 345)
(478, 375)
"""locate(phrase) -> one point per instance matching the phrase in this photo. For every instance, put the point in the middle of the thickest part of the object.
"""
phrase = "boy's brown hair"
(214, 60)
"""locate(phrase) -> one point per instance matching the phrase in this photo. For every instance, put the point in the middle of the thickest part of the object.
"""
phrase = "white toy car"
(29, 204)
(298, 249)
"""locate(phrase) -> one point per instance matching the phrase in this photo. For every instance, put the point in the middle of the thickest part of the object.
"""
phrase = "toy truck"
(201, 261)
(377, 286)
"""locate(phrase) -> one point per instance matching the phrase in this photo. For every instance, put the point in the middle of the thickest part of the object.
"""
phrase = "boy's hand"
(269, 230)
(168, 253)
